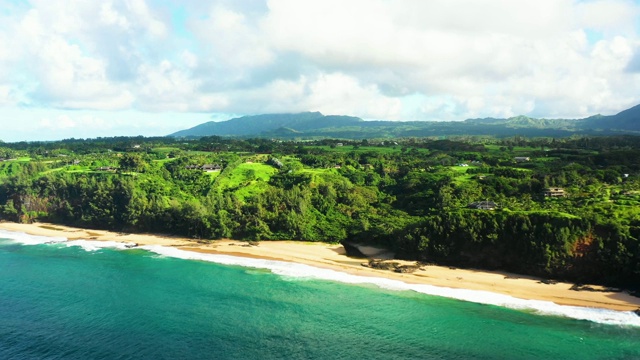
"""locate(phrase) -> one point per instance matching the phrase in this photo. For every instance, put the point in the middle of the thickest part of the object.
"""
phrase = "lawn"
(320, 176)
(163, 161)
(247, 179)
(165, 149)
(461, 169)
(460, 173)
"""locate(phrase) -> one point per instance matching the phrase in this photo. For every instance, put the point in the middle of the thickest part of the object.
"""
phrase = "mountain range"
(317, 125)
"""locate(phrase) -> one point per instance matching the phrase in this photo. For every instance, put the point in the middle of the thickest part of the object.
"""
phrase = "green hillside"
(565, 208)
(275, 123)
(627, 120)
(314, 125)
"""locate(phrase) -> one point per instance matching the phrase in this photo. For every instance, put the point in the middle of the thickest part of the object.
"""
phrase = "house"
(339, 144)
(211, 167)
(522, 158)
(275, 163)
(554, 192)
(106, 168)
(483, 205)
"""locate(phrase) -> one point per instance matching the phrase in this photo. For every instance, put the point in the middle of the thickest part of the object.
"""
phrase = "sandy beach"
(332, 256)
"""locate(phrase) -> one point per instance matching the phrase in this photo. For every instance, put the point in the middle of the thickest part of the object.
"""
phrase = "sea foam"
(27, 239)
(88, 245)
(295, 270)
(302, 271)
(94, 245)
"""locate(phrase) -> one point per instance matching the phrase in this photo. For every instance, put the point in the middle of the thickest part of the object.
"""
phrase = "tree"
(132, 162)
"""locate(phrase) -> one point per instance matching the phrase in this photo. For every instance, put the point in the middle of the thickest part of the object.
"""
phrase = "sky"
(85, 69)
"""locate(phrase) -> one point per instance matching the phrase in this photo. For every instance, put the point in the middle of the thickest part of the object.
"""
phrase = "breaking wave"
(302, 271)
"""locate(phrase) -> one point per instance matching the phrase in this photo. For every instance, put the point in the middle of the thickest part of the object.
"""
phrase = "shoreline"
(333, 257)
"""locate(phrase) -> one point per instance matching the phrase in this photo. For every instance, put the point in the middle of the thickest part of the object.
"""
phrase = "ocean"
(99, 300)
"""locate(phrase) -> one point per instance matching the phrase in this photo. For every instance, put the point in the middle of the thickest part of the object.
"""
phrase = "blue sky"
(77, 68)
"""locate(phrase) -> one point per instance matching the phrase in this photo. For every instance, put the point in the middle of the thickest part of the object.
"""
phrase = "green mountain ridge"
(315, 124)
(625, 120)
(257, 124)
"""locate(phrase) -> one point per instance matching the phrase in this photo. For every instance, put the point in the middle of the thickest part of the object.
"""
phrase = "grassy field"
(461, 169)
(7, 168)
(165, 149)
(460, 173)
(162, 161)
(247, 179)
(66, 169)
(213, 174)
(320, 176)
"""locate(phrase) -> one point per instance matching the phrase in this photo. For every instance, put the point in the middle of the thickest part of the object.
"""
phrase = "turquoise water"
(70, 302)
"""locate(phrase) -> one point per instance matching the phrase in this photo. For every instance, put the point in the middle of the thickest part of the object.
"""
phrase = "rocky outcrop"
(594, 288)
(391, 266)
(407, 269)
(382, 264)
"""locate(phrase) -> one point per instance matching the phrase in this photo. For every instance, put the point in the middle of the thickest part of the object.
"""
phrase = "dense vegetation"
(410, 195)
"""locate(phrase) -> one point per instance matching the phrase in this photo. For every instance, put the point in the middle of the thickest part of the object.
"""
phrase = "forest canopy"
(563, 208)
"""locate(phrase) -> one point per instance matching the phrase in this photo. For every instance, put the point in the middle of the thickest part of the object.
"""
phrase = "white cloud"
(412, 32)
(52, 124)
(340, 94)
(57, 67)
(608, 15)
(407, 59)
(521, 53)
(166, 87)
(333, 93)
(189, 59)
(232, 44)
(76, 121)
(62, 122)
(109, 16)
(6, 96)
(140, 12)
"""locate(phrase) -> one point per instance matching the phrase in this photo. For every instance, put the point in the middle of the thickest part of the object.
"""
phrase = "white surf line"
(296, 270)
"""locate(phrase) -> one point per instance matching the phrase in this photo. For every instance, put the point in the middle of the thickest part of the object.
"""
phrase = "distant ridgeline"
(317, 125)
(272, 124)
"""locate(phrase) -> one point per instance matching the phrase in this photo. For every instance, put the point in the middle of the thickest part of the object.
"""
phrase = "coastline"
(332, 257)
